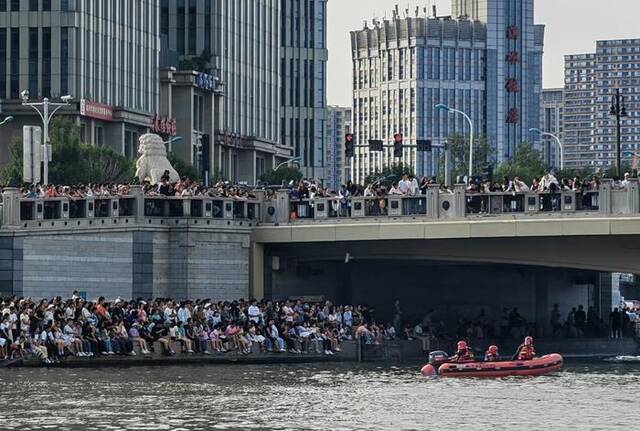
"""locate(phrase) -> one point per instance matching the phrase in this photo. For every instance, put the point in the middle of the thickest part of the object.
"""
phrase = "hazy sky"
(572, 26)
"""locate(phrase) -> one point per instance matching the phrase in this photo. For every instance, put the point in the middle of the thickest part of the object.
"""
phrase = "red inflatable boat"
(536, 367)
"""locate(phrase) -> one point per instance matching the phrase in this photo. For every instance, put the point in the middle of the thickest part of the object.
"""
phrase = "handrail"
(281, 208)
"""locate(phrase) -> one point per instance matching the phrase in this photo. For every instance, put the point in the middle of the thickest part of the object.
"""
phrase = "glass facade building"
(303, 64)
(514, 69)
(103, 53)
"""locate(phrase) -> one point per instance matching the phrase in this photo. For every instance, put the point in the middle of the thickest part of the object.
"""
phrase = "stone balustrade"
(19, 212)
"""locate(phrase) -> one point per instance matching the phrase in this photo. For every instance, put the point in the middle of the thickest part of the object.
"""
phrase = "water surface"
(315, 397)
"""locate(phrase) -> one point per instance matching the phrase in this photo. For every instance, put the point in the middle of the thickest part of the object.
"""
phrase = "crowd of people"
(408, 185)
(578, 322)
(55, 328)
(182, 188)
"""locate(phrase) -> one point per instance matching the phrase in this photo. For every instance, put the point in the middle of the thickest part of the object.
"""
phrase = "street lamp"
(551, 135)
(450, 110)
(286, 162)
(619, 111)
(46, 114)
(6, 120)
(173, 140)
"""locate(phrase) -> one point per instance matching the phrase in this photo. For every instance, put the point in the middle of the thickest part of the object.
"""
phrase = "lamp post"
(286, 162)
(46, 114)
(618, 111)
(6, 120)
(551, 135)
(450, 110)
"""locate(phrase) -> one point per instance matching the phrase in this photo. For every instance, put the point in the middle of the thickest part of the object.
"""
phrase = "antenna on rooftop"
(435, 11)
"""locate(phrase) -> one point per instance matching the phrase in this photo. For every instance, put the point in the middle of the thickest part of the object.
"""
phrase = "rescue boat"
(438, 366)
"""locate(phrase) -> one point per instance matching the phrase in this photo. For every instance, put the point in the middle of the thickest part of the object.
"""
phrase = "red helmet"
(493, 349)
(528, 340)
(462, 345)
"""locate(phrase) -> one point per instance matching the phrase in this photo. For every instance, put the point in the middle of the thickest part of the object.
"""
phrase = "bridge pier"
(603, 295)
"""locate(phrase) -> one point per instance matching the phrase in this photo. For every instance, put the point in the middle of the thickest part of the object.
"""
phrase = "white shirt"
(404, 186)
(254, 313)
(415, 188)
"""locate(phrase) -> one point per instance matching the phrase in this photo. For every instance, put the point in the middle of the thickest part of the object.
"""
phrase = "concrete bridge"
(206, 246)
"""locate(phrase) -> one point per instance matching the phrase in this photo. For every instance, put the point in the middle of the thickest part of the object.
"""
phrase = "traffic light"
(423, 145)
(397, 145)
(375, 145)
(348, 145)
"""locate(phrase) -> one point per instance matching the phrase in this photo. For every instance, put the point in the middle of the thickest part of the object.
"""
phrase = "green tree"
(526, 164)
(184, 169)
(199, 63)
(72, 161)
(282, 175)
(390, 174)
(459, 147)
(11, 173)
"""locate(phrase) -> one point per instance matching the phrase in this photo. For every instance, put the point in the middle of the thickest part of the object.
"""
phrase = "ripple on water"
(310, 397)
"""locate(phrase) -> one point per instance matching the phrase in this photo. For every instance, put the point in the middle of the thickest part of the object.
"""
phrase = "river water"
(315, 397)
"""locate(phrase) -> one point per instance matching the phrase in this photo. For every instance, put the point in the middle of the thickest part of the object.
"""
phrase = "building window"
(207, 27)
(3, 62)
(3, 5)
(46, 5)
(180, 27)
(99, 136)
(192, 27)
(33, 5)
(164, 17)
(260, 167)
(46, 62)
(64, 60)
(15, 5)
(15, 62)
(198, 113)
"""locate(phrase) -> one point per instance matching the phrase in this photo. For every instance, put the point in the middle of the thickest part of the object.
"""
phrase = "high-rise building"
(617, 67)
(579, 118)
(236, 46)
(337, 165)
(104, 54)
(591, 81)
(303, 60)
(514, 69)
(486, 63)
(401, 68)
(552, 122)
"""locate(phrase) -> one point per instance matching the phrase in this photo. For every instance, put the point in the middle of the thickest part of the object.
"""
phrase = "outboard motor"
(436, 359)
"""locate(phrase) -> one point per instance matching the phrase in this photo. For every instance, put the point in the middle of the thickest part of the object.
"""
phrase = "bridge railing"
(460, 203)
(281, 208)
(62, 211)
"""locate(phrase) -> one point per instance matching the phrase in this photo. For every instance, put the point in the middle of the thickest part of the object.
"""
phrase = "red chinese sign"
(163, 125)
(512, 116)
(512, 32)
(95, 110)
(513, 57)
(512, 86)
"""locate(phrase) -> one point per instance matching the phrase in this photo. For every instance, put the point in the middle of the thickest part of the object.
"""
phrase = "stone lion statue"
(153, 161)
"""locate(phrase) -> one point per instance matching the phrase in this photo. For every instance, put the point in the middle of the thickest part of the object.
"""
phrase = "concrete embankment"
(392, 351)
(347, 353)
(576, 348)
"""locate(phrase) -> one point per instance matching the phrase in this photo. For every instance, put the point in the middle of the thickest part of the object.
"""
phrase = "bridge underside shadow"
(459, 278)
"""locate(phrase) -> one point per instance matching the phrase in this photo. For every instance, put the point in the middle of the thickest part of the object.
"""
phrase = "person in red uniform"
(463, 354)
(492, 355)
(526, 351)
